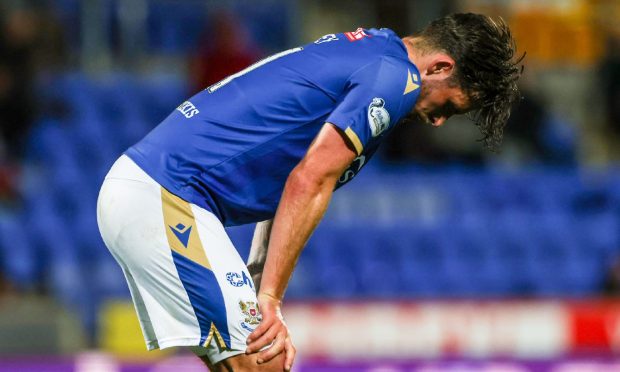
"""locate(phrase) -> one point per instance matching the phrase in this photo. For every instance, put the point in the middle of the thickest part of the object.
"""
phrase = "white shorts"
(188, 283)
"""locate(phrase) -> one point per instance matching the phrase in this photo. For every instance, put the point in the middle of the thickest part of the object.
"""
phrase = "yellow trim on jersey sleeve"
(355, 140)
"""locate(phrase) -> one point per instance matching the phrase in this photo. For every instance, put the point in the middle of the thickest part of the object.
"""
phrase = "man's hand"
(271, 331)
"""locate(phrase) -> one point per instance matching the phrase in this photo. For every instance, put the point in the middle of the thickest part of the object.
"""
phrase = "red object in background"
(226, 48)
(8, 181)
(595, 326)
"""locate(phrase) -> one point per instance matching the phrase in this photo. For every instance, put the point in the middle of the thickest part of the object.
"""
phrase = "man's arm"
(306, 195)
(258, 251)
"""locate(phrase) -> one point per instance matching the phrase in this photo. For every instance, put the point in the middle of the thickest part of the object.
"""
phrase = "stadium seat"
(305, 280)
(376, 253)
(18, 257)
(160, 95)
(164, 17)
(336, 262)
(47, 136)
(472, 268)
(106, 278)
(422, 266)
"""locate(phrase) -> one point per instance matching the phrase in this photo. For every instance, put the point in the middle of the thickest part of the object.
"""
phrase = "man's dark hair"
(483, 50)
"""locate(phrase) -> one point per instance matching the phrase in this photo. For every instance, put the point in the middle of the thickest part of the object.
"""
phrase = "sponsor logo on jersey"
(188, 109)
(327, 38)
(356, 35)
(356, 166)
(238, 280)
(182, 233)
(251, 313)
(378, 116)
(412, 83)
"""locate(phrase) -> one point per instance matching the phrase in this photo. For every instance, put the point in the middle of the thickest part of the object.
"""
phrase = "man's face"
(438, 101)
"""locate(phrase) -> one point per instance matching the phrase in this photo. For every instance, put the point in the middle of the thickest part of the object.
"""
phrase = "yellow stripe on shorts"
(181, 229)
(218, 338)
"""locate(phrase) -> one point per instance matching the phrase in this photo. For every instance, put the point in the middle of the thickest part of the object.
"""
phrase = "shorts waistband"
(126, 169)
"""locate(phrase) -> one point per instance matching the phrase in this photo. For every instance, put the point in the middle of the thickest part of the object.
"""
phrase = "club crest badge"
(250, 310)
(378, 116)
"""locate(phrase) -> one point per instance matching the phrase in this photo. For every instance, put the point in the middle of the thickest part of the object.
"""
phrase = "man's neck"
(414, 52)
(416, 55)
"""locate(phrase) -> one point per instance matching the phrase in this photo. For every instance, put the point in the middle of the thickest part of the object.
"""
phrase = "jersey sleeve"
(376, 97)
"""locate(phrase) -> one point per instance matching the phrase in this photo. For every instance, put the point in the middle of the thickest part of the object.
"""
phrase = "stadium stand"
(456, 232)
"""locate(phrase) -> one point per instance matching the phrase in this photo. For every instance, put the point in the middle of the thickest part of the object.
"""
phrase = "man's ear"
(441, 64)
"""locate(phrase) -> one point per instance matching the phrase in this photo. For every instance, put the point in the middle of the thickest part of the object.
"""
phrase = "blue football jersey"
(231, 147)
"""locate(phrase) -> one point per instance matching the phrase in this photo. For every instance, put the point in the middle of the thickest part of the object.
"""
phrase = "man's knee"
(244, 362)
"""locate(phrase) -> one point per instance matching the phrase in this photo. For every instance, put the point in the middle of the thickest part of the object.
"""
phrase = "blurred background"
(439, 256)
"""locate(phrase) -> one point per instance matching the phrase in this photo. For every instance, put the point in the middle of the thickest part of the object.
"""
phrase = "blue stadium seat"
(79, 93)
(511, 240)
(261, 17)
(304, 282)
(41, 216)
(86, 233)
(381, 250)
(337, 262)
(161, 95)
(422, 266)
(18, 257)
(65, 277)
(106, 278)
(378, 251)
(163, 20)
(600, 233)
(44, 142)
(472, 267)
